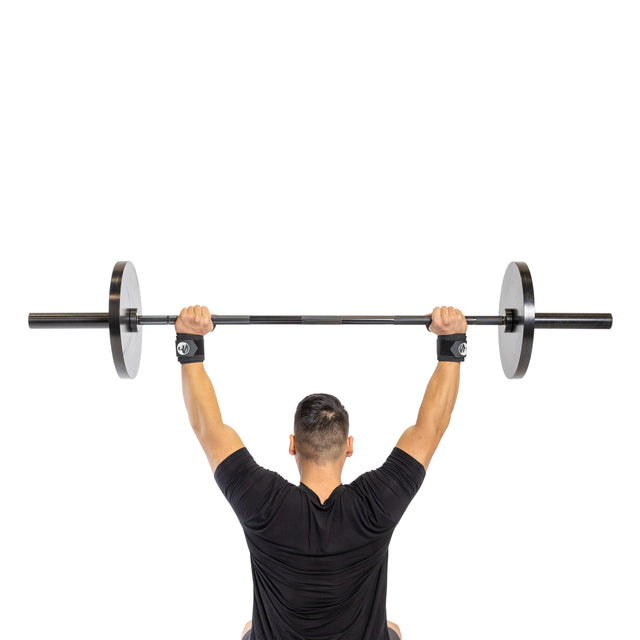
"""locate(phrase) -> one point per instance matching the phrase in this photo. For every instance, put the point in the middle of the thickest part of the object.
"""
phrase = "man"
(319, 551)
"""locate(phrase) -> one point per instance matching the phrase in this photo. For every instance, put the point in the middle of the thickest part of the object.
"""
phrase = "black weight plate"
(126, 336)
(516, 337)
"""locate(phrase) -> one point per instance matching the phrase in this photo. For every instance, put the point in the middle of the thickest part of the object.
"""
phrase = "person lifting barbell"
(319, 551)
(321, 547)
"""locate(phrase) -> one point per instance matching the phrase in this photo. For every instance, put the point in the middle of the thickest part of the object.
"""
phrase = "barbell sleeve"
(573, 321)
(68, 320)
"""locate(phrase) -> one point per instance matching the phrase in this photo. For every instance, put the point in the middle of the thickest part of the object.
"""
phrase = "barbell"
(516, 322)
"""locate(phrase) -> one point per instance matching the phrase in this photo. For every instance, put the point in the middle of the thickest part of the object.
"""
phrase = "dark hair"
(321, 427)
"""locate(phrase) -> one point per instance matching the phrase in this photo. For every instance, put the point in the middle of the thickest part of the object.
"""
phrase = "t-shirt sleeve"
(389, 489)
(250, 489)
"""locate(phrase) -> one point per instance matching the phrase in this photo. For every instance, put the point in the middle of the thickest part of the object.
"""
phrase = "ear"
(292, 445)
(349, 446)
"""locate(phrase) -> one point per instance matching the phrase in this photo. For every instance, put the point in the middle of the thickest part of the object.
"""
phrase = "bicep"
(219, 443)
(420, 443)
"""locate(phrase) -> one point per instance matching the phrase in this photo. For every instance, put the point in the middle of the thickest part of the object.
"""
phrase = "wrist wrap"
(452, 348)
(189, 348)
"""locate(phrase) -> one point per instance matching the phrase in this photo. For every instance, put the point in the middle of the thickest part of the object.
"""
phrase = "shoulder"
(238, 462)
(400, 473)
(384, 494)
(252, 490)
(240, 475)
(240, 466)
(399, 465)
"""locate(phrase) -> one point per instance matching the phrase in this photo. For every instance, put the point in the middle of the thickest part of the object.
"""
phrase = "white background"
(336, 157)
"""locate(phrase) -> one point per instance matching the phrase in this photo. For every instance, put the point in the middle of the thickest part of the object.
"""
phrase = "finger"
(207, 315)
(436, 316)
(182, 318)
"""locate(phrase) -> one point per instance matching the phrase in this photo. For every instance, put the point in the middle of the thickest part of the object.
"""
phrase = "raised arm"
(421, 440)
(216, 438)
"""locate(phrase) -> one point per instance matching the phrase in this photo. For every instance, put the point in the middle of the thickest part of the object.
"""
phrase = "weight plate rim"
(126, 352)
(518, 275)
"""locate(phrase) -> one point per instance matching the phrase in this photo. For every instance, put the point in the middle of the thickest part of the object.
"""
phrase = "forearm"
(439, 397)
(200, 398)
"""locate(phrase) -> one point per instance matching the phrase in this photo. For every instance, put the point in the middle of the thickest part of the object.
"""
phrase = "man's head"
(321, 430)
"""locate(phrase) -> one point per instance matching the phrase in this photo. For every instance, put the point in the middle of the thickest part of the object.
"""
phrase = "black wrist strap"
(452, 348)
(189, 348)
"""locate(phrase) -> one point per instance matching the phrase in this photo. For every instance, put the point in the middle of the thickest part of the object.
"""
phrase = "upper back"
(319, 568)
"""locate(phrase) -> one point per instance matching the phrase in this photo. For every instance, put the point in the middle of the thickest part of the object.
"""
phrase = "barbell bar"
(101, 320)
(516, 322)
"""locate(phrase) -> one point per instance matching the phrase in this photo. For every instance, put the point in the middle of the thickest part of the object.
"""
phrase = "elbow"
(436, 421)
(198, 423)
(204, 424)
(197, 429)
(441, 426)
(194, 418)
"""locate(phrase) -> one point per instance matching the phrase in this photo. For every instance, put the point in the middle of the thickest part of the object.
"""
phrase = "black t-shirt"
(319, 570)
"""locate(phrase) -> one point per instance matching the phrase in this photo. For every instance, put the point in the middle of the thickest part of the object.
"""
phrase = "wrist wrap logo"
(183, 348)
